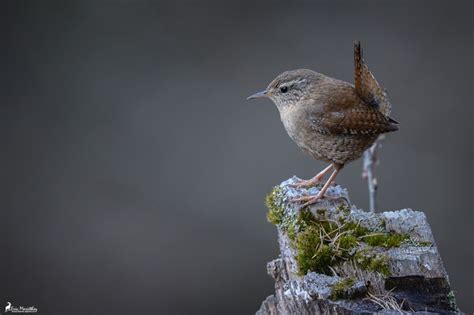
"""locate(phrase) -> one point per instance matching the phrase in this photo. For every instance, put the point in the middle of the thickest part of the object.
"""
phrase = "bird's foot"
(306, 183)
(309, 200)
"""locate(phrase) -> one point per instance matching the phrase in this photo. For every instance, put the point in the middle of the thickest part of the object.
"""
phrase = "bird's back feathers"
(348, 115)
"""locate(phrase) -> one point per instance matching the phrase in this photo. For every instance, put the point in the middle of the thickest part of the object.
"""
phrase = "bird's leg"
(312, 199)
(313, 181)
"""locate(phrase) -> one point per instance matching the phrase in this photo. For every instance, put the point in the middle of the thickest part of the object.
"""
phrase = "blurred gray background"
(134, 171)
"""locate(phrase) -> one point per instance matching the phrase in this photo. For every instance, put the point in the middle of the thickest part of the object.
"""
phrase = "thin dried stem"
(368, 171)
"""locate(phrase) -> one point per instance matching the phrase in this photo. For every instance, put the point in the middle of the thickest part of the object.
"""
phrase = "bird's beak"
(259, 94)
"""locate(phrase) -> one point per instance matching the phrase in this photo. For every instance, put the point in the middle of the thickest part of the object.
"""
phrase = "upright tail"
(367, 86)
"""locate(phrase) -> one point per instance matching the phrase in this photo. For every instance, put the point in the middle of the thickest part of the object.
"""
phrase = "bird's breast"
(293, 121)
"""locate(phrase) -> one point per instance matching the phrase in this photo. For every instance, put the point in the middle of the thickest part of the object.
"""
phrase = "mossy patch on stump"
(322, 243)
(275, 212)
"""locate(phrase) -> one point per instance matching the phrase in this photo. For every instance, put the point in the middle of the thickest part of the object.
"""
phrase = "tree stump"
(337, 259)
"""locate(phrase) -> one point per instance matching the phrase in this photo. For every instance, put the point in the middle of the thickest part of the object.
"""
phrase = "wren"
(331, 120)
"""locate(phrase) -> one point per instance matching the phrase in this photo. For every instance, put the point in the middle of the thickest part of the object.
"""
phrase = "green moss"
(292, 232)
(373, 262)
(452, 302)
(306, 218)
(421, 244)
(348, 242)
(356, 229)
(322, 243)
(386, 240)
(380, 264)
(321, 212)
(275, 212)
(412, 242)
(343, 208)
(317, 243)
(313, 255)
(339, 289)
(274, 216)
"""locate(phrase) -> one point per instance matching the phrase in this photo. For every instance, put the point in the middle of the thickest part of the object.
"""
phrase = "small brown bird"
(332, 120)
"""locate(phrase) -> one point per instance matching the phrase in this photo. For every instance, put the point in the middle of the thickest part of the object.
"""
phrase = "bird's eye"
(284, 89)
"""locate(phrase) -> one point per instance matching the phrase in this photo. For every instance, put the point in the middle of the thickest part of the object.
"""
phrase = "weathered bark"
(416, 280)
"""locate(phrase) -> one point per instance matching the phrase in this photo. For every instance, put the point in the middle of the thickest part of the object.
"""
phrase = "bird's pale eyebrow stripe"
(290, 83)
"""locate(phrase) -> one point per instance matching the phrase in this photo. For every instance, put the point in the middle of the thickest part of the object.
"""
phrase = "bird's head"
(290, 87)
